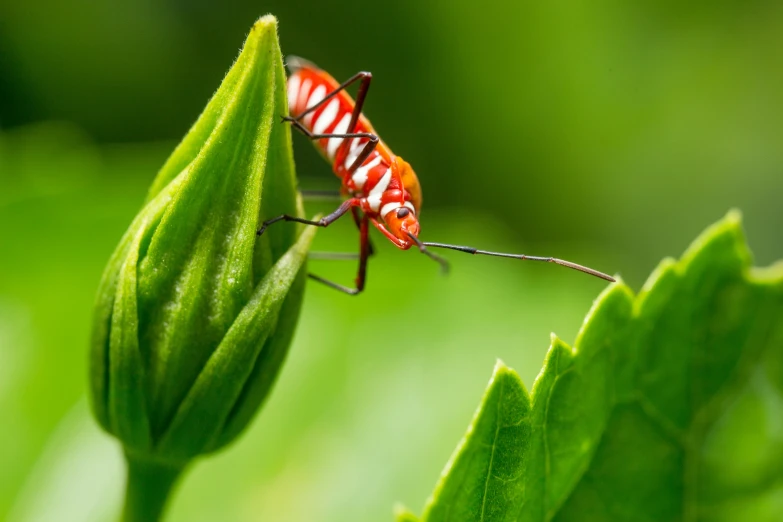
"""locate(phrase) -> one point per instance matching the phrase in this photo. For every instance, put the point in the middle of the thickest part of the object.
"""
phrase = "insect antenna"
(475, 251)
(444, 265)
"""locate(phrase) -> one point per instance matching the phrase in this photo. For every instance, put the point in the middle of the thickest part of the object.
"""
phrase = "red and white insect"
(381, 188)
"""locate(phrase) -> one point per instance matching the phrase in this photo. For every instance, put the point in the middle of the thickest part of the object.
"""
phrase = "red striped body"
(383, 183)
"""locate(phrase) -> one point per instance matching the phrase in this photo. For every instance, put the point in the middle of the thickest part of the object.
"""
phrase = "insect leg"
(364, 254)
(361, 95)
(366, 151)
(323, 222)
(300, 127)
(366, 78)
(335, 195)
(358, 220)
(364, 154)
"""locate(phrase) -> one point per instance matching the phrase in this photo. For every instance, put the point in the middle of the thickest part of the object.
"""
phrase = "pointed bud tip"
(262, 37)
(265, 22)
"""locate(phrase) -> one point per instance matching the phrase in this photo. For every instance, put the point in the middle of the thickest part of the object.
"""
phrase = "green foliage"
(667, 408)
(325, 392)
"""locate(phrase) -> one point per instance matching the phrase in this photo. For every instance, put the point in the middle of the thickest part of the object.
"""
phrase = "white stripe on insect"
(342, 128)
(374, 201)
(389, 207)
(318, 95)
(353, 153)
(383, 183)
(304, 92)
(360, 175)
(327, 116)
(293, 91)
(376, 193)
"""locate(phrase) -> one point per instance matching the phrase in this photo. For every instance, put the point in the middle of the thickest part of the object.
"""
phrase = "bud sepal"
(194, 312)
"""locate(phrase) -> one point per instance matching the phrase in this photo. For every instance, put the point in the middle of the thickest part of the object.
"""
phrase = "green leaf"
(668, 407)
(488, 461)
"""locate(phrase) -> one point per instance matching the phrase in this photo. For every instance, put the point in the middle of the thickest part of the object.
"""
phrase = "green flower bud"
(195, 313)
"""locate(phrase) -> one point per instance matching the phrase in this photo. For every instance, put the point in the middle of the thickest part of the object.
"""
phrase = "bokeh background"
(606, 132)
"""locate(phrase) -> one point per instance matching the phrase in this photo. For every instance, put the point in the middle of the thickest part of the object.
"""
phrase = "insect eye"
(402, 212)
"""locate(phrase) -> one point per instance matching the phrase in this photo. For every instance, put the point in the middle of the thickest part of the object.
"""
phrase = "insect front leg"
(358, 220)
(335, 195)
(323, 222)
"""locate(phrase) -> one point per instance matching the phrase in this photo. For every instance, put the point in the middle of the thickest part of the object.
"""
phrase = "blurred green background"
(606, 132)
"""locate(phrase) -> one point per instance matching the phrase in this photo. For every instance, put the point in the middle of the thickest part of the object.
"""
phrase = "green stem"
(148, 487)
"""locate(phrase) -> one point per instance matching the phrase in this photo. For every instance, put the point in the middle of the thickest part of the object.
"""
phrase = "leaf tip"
(556, 343)
(734, 216)
(666, 266)
(500, 366)
(725, 240)
(615, 293)
(403, 514)
(501, 372)
(558, 357)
